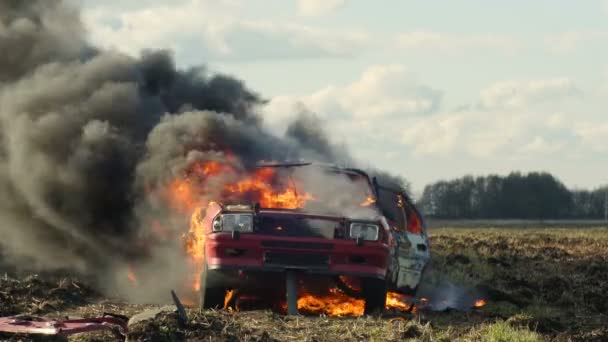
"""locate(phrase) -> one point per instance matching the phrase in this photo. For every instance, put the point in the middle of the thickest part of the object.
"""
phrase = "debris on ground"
(24, 324)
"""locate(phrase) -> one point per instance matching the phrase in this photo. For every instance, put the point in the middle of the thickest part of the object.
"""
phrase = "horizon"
(428, 94)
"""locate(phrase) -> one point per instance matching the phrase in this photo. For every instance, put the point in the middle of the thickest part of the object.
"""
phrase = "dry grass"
(543, 284)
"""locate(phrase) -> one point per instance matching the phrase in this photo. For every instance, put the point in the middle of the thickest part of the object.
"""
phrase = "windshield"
(316, 189)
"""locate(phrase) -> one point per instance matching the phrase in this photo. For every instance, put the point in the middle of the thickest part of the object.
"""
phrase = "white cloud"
(258, 40)
(540, 145)
(318, 7)
(594, 136)
(434, 136)
(382, 92)
(513, 119)
(214, 30)
(383, 108)
(368, 114)
(470, 133)
(155, 25)
(517, 94)
(456, 43)
(602, 89)
(571, 40)
(557, 121)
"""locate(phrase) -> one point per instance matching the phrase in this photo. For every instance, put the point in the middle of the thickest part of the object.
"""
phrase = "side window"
(391, 205)
(414, 222)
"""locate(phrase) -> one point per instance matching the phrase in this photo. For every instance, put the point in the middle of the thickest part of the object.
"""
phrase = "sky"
(429, 90)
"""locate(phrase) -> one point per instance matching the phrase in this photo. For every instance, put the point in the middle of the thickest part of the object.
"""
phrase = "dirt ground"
(541, 284)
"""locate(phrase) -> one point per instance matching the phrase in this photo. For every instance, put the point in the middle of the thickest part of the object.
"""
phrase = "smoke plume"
(87, 136)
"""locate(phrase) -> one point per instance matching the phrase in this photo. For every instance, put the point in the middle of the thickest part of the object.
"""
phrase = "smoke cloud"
(87, 136)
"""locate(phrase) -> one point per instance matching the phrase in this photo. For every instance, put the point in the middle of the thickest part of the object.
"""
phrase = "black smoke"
(85, 132)
(86, 135)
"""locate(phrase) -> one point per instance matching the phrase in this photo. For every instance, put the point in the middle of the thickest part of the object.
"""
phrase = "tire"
(347, 289)
(210, 297)
(374, 294)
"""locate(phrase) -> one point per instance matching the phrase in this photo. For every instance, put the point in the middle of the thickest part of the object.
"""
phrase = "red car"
(349, 226)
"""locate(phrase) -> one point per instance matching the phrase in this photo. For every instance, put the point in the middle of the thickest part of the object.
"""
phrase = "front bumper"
(255, 254)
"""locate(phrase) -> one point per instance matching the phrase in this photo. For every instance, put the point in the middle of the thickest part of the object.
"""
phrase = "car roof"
(308, 163)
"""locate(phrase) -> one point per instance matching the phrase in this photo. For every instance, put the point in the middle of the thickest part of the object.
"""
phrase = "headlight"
(233, 222)
(365, 231)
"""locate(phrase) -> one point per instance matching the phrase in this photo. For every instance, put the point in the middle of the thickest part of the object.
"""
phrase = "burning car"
(323, 221)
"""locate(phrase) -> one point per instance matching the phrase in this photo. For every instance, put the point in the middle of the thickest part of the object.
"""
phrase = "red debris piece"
(24, 324)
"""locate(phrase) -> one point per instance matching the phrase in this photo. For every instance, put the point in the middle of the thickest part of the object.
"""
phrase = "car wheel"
(374, 294)
(210, 297)
(349, 291)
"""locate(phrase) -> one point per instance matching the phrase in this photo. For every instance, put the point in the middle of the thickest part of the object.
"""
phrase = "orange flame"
(188, 302)
(352, 282)
(228, 298)
(259, 184)
(131, 276)
(182, 196)
(195, 246)
(480, 303)
(398, 301)
(335, 303)
(338, 304)
(368, 201)
(190, 193)
(185, 193)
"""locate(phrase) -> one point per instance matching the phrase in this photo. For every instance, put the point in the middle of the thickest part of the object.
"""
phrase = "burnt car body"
(382, 243)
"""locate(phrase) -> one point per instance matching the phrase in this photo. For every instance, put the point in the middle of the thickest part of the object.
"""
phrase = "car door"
(413, 261)
(409, 254)
(388, 203)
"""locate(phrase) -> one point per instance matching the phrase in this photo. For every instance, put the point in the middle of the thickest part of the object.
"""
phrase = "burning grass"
(541, 284)
(334, 303)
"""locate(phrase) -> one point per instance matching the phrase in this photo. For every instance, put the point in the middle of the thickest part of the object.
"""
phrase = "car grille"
(296, 260)
(300, 227)
(296, 244)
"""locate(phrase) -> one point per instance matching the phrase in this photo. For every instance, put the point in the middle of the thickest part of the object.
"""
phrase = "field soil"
(541, 284)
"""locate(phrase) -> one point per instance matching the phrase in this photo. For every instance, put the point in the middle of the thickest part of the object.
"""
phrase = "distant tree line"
(536, 195)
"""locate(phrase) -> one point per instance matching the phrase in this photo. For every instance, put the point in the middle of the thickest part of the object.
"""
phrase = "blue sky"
(427, 89)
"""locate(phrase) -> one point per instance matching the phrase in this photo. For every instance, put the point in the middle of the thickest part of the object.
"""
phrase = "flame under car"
(344, 225)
